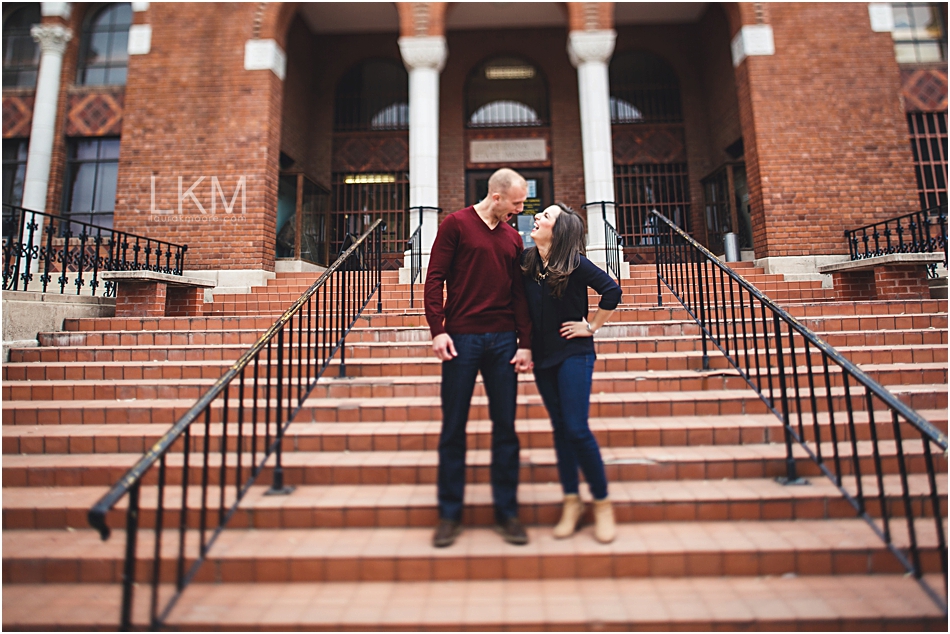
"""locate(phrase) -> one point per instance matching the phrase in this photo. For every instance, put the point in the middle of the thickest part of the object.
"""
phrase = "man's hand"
(443, 347)
(522, 360)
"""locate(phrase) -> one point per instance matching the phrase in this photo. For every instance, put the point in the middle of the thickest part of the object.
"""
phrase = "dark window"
(643, 89)
(928, 141)
(505, 92)
(643, 188)
(21, 55)
(920, 32)
(14, 170)
(104, 51)
(92, 169)
(374, 95)
(357, 200)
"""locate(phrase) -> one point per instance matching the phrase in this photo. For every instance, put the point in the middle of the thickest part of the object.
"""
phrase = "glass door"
(539, 196)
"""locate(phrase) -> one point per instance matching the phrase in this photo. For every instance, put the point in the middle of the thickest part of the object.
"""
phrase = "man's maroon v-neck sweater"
(480, 268)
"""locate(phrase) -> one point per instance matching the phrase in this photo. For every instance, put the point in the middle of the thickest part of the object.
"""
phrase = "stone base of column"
(598, 255)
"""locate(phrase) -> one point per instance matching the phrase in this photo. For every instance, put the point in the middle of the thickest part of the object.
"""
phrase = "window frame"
(90, 28)
(940, 12)
(19, 169)
(71, 175)
(11, 37)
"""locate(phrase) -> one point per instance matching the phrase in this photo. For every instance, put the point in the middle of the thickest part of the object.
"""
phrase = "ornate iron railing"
(415, 252)
(917, 232)
(845, 422)
(613, 241)
(255, 400)
(36, 243)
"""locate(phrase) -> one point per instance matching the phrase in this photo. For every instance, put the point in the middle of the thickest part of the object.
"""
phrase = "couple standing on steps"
(507, 310)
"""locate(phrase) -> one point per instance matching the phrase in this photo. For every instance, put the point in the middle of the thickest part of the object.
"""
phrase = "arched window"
(104, 49)
(505, 92)
(373, 95)
(643, 89)
(21, 55)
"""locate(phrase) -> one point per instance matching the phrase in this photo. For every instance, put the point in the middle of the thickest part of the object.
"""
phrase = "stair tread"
(388, 496)
(415, 542)
(475, 457)
(699, 603)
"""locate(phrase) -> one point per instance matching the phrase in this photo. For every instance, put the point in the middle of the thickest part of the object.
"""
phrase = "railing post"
(278, 487)
(791, 473)
(656, 259)
(128, 570)
(699, 267)
(379, 269)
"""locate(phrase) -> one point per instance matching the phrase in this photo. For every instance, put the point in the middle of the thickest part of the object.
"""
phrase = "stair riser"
(818, 561)
(700, 469)
(475, 514)
(479, 437)
(260, 324)
(341, 389)
(739, 403)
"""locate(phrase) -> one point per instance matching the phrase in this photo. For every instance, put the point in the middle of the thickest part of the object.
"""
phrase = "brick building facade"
(261, 133)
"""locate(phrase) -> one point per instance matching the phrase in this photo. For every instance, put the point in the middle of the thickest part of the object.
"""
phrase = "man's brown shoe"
(512, 531)
(446, 532)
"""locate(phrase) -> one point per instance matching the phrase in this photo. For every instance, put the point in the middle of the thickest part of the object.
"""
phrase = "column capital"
(423, 52)
(52, 38)
(590, 46)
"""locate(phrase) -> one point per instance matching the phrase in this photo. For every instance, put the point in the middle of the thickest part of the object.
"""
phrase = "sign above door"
(508, 151)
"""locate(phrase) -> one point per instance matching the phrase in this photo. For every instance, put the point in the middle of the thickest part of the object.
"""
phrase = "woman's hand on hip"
(572, 329)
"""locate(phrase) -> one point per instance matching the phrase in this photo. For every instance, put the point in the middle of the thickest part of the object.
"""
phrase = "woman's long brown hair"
(567, 245)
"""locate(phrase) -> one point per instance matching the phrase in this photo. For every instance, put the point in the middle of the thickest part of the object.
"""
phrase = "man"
(483, 326)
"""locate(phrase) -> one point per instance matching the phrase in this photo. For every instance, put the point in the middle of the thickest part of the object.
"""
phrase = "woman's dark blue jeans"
(565, 390)
(490, 354)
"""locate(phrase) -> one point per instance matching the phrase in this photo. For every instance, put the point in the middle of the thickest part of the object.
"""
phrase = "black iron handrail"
(415, 252)
(272, 380)
(613, 241)
(774, 353)
(917, 232)
(39, 243)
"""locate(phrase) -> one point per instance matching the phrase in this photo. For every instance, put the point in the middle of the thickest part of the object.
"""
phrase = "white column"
(424, 57)
(589, 52)
(52, 39)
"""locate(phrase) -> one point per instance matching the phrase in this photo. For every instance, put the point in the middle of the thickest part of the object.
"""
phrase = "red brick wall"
(192, 111)
(825, 136)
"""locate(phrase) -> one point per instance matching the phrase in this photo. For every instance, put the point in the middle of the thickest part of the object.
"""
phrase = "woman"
(556, 277)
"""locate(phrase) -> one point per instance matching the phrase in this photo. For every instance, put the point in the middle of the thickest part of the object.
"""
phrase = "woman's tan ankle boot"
(570, 516)
(605, 529)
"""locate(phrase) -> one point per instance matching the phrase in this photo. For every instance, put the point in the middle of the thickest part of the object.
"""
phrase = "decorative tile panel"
(924, 90)
(370, 152)
(17, 115)
(648, 144)
(94, 114)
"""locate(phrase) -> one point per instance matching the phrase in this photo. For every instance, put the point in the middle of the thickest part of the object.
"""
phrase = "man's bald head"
(502, 180)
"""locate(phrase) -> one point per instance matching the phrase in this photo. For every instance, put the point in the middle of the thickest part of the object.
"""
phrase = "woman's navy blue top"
(548, 347)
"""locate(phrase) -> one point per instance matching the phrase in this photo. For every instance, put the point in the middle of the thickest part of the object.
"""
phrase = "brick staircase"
(707, 539)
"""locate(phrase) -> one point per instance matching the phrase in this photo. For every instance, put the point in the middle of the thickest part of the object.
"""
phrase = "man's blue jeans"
(565, 390)
(491, 354)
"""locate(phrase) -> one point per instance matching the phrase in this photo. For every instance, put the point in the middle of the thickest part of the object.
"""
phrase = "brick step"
(413, 505)
(641, 550)
(396, 359)
(402, 409)
(818, 603)
(667, 313)
(414, 436)
(281, 302)
(746, 603)
(645, 288)
(421, 386)
(611, 338)
(419, 467)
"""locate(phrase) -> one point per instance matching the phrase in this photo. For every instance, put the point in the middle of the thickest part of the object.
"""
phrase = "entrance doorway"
(540, 195)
